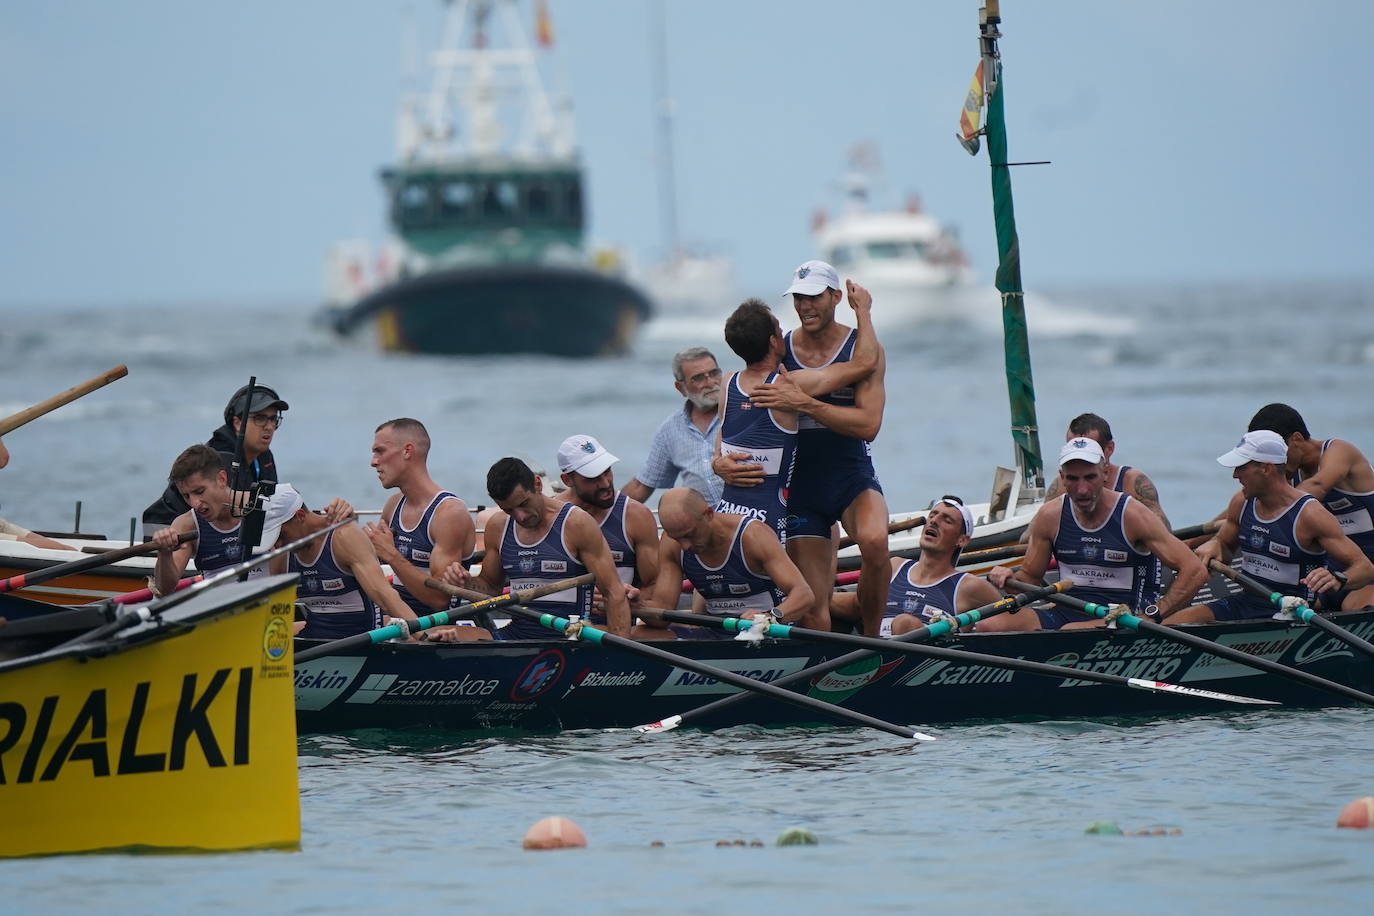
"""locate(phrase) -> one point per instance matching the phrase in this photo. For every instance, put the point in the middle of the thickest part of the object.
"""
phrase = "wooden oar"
(1300, 611)
(146, 612)
(1206, 645)
(783, 631)
(892, 528)
(480, 602)
(39, 576)
(601, 637)
(14, 421)
(805, 676)
(146, 594)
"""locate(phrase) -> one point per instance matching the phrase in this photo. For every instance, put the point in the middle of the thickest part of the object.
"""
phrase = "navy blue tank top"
(335, 605)
(1270, 550)
(746, 429)
(821, 451)
(1103, 563)
(1121, 472)
(618, 539)
(416, 545)
(906, 597)
(216, 549)
(731, 588)
(546, 560)
(1354, 512)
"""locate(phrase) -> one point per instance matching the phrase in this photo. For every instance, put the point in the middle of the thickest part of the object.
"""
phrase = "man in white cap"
(626, 524)
(1285, 536)
(1121, 477)
(930, 584)
(342, 586)
(1106, 541)
(834, 479)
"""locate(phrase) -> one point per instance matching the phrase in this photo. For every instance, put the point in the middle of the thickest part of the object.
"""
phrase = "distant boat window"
(572, 211)
(890, 251)
(413, 203)
(500, 200)
(456, 201)
(538, 201)
(840, 257)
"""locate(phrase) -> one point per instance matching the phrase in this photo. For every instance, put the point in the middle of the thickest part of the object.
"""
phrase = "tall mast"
(663, 107)
(1025, 432)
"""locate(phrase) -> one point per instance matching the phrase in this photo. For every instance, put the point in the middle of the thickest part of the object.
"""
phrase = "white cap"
(1080, 448)
(963, 510)
(281, 505)
(1260, 445)
(813, 277)
(584, 455)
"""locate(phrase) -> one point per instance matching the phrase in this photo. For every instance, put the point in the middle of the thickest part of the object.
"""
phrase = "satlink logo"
(77, 733)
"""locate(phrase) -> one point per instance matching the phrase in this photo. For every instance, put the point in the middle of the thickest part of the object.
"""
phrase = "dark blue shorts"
(811, 511)
(1240, 607)
(1055, 616)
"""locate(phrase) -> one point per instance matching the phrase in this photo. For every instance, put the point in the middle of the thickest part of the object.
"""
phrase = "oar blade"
(662, 725)
(1162, 687)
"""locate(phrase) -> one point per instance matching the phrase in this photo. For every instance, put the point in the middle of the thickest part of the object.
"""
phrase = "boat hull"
(556, 684)
(174, 736)
(562, 311)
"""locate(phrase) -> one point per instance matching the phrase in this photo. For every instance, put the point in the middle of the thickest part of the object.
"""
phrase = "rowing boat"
(175, 733)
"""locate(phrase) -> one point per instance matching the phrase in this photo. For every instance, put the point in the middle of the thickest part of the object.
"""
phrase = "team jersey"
(755, 432)
(546, 560)
(218, 549)
(1103, 563)
(820, 450)
(1270, 551)
(732, 587)
(1354, 512)
(618, 539)
(906, 597)
(1119, 485)
(335, 604)
(416, 545)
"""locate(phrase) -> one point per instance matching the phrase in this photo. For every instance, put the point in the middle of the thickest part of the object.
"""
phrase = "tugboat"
(486, 201)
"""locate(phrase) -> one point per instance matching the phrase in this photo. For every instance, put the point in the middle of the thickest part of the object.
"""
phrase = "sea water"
(991, 816)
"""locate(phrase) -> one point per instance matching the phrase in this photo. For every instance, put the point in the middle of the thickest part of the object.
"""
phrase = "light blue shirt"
(681, 448)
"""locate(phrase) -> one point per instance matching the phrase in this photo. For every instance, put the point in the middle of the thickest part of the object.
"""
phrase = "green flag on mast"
(1025, 432)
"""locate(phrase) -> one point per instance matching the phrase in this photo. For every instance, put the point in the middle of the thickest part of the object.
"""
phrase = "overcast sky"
(169, 152)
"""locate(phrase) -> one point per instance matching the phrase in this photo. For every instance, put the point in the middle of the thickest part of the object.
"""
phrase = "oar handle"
(14, 421)
(14, 583)
(518, 597)
(892, 528)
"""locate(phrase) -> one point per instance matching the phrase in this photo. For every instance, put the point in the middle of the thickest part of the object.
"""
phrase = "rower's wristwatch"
(1341, 578)
(1151, 611)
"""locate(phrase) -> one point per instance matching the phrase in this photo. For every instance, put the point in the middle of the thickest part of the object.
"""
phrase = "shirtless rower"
(535, 540)
(626, 524)
(920, 589)
(1285, 537)
(1107, 542)
(756, 446)
(198, 475)
(342, 586)
(834, 479)
(1338, 474)
(1122, 478)
(734, 562)
(424, 527)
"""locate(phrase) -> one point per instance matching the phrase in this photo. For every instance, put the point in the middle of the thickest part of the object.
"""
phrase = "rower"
(627, 524)
(424, 527)
(342, 586)
(1286, 537)
(1106, 541)
(1122, 478)
(535, 540)
(734, 562)
(1337, 473)
(199, 477)
(930, 585)
(834, 479)
(757, 446)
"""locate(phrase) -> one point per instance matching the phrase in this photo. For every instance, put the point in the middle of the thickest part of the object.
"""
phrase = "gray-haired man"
(684, 443)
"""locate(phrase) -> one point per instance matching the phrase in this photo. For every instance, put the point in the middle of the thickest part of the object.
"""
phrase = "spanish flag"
(972, 114)
(543, 25)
